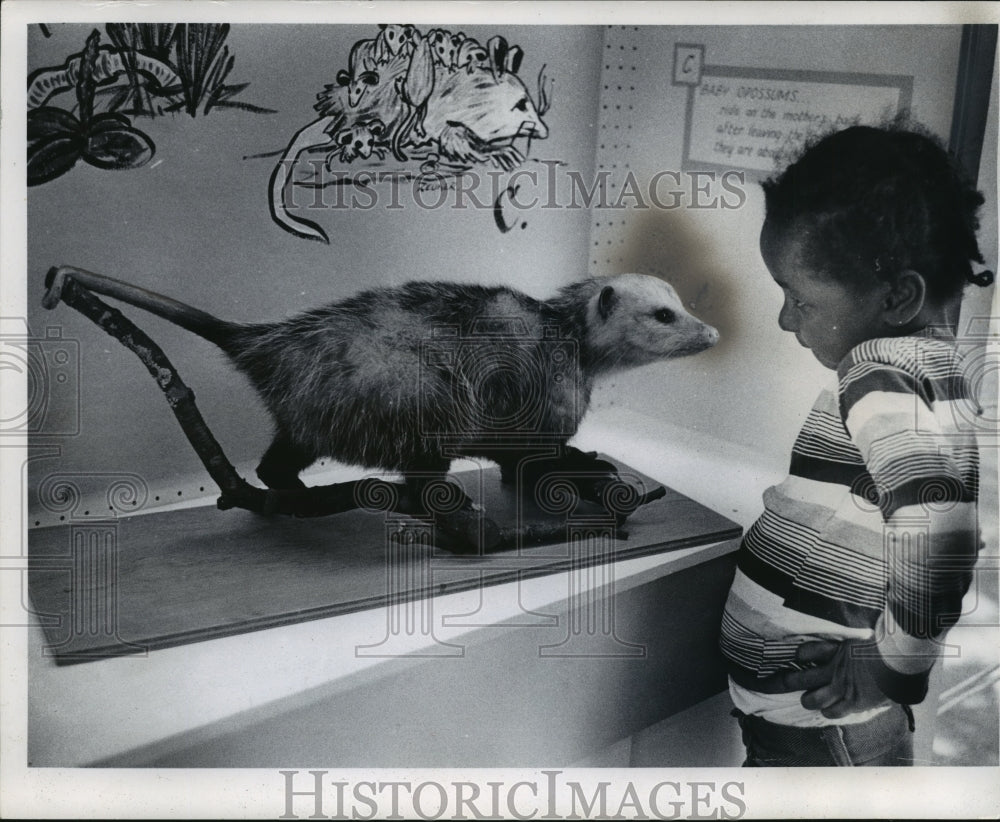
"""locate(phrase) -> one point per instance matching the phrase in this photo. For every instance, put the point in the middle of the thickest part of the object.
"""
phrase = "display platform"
(133, 584)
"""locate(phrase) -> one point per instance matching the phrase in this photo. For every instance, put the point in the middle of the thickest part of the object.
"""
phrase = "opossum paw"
(559, 484)
(508, 158)
(280, 481)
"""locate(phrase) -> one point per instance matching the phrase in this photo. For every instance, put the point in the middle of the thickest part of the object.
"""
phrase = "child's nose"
(787, 319)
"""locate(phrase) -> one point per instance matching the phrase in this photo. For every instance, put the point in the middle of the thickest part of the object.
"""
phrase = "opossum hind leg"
(281, 464)
(428, 489)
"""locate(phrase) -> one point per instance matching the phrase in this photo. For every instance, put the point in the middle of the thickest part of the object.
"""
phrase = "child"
(847, 582)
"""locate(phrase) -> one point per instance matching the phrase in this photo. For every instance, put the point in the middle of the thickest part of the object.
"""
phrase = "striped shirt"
(874, 532)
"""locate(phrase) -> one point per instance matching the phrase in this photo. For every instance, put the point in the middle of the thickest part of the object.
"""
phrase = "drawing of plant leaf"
(220, 99)
(85, 83)
(48, 121)
(136, 44)
(110, 119)
(225, 92)
(167, 67)
(203, 62)
(153, 39)
(52, 157)
(243, 107)
(118, 147)
(57, 139)
(119, 96)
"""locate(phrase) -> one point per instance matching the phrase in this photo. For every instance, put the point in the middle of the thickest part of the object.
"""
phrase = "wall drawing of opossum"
(371, 381)
(443, 96)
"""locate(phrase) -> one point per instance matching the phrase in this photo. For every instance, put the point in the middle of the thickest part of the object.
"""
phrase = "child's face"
(826, 316)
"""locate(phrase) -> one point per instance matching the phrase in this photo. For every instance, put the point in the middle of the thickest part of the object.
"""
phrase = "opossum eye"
(664, 315)
(521, 105)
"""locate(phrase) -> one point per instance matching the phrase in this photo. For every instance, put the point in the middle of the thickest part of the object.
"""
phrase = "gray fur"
(403, 378)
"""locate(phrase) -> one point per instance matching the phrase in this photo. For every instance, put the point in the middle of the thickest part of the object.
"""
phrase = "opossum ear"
(513, 59)
(497, 47)
(606, 301)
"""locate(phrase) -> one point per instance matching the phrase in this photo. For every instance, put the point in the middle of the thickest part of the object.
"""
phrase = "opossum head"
(635, 319)
(493, 107)
(443, 49)
(361, 139)
(398, 39)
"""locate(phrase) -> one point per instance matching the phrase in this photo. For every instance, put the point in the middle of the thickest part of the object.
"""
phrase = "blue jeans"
(887, 739)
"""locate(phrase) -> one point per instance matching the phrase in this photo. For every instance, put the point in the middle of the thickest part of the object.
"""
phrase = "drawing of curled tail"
(318, 133)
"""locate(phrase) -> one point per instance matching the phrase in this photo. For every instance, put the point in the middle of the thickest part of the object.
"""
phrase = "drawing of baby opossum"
(372, 381)
(367, 56)
(360, 141)
(462, 102)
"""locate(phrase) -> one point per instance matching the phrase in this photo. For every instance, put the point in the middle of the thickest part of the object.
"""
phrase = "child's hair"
(877, 201)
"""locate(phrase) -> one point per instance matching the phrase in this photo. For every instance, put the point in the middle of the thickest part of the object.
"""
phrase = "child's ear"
(905, 299)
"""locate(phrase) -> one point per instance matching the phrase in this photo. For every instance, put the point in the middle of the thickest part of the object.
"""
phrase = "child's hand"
(839, 683)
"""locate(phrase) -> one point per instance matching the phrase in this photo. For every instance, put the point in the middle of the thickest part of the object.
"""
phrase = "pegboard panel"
(620, 93)
(655, 121)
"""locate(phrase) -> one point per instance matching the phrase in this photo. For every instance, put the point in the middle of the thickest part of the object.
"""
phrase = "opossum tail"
(220, 332)
(318, 133)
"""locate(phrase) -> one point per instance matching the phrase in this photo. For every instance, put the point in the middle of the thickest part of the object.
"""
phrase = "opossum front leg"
(429, 494)
(460, 527)
(281, 464)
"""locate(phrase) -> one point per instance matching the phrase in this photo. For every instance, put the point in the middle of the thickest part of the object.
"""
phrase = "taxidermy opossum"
(404, 379)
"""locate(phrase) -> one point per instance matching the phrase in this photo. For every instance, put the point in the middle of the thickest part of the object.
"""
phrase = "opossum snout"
(533, 128)
(702, 338)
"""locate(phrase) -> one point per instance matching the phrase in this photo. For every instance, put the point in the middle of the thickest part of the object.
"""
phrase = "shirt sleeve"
(920, 478)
